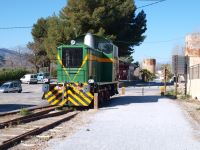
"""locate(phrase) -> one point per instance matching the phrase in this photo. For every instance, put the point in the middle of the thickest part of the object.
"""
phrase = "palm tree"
(147, 75)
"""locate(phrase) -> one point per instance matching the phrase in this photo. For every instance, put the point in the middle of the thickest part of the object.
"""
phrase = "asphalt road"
(30, 96)
(134, 122)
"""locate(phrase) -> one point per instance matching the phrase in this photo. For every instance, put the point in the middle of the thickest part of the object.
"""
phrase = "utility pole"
(176, 74)
(165, 78)
(186, 71)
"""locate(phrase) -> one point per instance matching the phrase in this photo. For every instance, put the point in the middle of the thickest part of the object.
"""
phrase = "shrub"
(185, 97)
(170, 93)
(11, 74)
(25, 112)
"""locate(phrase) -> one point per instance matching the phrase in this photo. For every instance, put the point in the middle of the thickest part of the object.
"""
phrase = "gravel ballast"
(134, 122)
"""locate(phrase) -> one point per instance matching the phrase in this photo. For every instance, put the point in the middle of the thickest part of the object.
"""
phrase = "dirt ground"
(191, 109)
(64, 130)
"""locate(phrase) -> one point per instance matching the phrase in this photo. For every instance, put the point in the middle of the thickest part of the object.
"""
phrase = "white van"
(29, 78)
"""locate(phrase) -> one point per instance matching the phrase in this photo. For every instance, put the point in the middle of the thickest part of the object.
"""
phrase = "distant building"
(192, 45)
(192, 53)
(149, 64)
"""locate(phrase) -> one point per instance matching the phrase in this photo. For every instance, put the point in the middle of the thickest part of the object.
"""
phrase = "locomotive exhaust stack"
(89, 40)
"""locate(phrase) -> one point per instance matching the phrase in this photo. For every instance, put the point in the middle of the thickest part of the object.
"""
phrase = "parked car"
(46, 80)
(43, 77)
(29, 78)
(12, 86)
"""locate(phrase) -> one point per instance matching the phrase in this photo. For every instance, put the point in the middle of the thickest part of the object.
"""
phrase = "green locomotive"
(89, 65)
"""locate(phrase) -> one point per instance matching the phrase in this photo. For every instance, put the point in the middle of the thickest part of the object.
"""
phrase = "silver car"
(12, 86)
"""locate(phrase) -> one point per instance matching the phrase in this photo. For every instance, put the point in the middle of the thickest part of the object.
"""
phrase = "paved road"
(30, 96)
(133, 122)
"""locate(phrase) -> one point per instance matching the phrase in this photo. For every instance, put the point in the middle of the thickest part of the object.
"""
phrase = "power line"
(164, 41)
(159, 1)
(153, 42)
(19, 27)
(27, 27)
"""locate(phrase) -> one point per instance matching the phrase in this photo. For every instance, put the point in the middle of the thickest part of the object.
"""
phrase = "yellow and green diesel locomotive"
(88, 65)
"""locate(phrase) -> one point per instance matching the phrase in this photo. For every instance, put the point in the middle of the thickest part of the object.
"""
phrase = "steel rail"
(28, 108)
(28, 118)
(11, 142)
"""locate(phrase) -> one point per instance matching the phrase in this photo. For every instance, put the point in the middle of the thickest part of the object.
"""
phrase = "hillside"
(11, 58)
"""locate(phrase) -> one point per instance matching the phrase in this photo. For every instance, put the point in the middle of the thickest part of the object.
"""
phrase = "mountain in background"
(13, 58)
(5, 54)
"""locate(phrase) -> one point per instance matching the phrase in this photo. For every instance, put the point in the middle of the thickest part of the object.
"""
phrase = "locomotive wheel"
(100, 99)
(107, 95)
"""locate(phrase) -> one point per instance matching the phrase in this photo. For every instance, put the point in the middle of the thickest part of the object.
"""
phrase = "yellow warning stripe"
(84, 61)
(98, 59)
(55, 102)
(85, 83)
(63, 102)
(82, 95)
(77, 98)
(90, 95)
(59, 60)
(52, 97)
(49, 93)
(72, 101)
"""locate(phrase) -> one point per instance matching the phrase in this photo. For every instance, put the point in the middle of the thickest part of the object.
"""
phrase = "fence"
(194, 72)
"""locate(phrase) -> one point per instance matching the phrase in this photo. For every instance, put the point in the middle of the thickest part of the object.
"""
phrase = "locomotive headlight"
(45, 87)
(91, 81)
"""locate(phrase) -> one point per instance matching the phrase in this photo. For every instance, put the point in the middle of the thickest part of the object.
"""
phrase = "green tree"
(166, 71)
(147, 75)
(114, 19)
(39, 57)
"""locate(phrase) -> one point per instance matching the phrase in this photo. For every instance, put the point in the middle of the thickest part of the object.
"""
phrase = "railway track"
(30, 109)
(15, 130)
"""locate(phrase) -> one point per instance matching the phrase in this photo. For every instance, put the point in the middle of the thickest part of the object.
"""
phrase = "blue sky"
(23, 13)
(167, 21)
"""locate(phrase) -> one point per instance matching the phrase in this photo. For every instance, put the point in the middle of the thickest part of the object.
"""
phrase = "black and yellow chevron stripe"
(69, 95)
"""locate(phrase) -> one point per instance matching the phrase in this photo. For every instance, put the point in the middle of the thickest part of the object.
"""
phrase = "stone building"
(192, 53)
(149, 64)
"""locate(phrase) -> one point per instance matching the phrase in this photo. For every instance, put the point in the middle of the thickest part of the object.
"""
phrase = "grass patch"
(25, 112)
(185, 97)
(170, 93)
(198, 108)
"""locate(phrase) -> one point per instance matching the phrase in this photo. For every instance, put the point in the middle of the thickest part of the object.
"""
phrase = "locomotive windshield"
(72, 57)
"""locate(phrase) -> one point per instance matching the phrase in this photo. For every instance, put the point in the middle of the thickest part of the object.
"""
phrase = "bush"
(11, 74)
(25, 112)
(185, 97)
(170, 93)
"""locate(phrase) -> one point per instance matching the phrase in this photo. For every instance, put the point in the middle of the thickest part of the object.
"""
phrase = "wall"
(192, 51)
(193, 88)
(149, 64)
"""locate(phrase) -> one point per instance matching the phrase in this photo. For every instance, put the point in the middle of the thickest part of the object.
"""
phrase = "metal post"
(176, 86)
(186, 72)
(123, 90)
(176, 76)
(96, 105)
(165, 78)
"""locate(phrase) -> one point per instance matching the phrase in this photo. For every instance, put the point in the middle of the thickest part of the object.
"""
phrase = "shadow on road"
(126, 100)
(12, 107)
